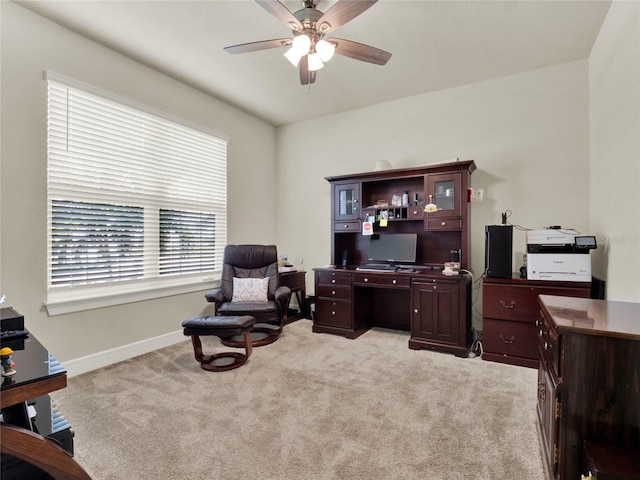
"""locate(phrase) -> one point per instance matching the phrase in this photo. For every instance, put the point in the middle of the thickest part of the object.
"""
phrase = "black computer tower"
(498, 250)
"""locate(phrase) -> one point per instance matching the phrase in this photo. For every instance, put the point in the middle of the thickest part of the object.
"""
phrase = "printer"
(559, 254)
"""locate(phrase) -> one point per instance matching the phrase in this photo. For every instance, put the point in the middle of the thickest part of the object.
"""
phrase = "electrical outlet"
(477, 194)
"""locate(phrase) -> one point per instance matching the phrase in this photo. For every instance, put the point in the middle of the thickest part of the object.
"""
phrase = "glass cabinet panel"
(346, 205)
(444, 194)
(346, 201)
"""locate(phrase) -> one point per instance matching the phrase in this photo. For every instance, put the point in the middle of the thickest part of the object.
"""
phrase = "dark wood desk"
(435, 308)
(37, 373)
(28, 440)
(588, 382)
(297, 283)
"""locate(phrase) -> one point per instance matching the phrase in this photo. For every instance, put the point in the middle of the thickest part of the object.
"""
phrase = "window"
(136, 201)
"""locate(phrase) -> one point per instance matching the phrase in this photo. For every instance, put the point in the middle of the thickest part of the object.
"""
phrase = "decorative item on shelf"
(451, 268)
(382, 165)
(405, 199)
(7, 363)
(430, 207)
(284, 265)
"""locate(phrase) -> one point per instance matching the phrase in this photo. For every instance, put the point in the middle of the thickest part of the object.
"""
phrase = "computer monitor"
(393, 247)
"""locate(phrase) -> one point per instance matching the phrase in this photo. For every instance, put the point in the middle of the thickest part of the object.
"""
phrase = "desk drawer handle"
(394, 282)
(333, 292)
(333, 281)
(511, 305)
(333, 312)
(346, 225)
(509, 341)
(444, 223)
(366, 280)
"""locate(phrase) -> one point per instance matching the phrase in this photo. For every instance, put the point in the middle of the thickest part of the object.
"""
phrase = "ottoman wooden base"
(220, 327)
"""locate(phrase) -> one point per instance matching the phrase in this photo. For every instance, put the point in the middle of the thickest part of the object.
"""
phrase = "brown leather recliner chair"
(247, 267)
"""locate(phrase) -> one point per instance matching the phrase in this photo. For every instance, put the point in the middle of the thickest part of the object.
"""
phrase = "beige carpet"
(310, 406)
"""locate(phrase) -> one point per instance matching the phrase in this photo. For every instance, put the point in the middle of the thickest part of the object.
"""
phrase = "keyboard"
(374, 267)
(11, 334)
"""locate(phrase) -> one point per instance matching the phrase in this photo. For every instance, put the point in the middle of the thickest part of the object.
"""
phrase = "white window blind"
(137, 201)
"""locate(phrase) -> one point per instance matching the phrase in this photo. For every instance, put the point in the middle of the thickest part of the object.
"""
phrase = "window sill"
(61, 306)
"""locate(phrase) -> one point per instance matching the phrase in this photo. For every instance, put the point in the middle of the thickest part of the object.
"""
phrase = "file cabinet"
(509, 314)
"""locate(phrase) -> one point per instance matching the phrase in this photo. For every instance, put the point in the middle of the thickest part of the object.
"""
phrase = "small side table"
(296, 282)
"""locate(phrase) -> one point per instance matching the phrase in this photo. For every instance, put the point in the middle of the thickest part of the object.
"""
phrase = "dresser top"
(595, 317)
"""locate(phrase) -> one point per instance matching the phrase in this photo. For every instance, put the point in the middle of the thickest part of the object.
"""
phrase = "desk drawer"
(444, 224)
(510, 338)
(333, 313)
(346, 227)
(333, 278)
(550, 345)
(415, 212)
(390, 280)
(332, 291)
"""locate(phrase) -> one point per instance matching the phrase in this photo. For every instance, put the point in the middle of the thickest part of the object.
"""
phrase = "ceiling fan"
(309, 49)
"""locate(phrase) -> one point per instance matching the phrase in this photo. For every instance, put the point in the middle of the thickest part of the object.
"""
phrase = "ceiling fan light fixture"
(315, 62)
(301, 44)
(325, 50)
(293, 56)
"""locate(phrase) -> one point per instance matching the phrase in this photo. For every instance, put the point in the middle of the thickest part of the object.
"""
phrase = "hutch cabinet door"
(346, 202)
(435, 312)
(444, 190)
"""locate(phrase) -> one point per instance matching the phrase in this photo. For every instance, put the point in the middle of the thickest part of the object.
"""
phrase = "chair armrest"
(37, 450)
(215, 295)
(282, 297)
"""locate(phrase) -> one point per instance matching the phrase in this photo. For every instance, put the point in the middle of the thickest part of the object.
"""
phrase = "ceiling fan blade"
(359, 51)
(255, 46)
(282, 13)
(342, 12)
(306, 77)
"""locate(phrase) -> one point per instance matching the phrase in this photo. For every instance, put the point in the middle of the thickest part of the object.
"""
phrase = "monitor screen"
(393, 247)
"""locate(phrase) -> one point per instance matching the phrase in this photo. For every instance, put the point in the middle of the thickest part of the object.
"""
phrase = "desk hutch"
(435, 308)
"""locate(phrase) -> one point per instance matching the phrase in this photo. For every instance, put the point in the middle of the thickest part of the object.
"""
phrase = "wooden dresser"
(509, 314)
(589, 386)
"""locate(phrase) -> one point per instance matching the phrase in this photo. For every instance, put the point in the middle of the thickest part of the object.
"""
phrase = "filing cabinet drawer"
(382, 280)
(334, 313)
(332, 291)
(504, 337)
(333, 278)
(511, 302)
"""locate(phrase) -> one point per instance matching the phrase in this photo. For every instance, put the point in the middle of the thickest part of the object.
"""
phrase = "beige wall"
(614, 100)
(527, 133)
(554, 146)
(30, 45)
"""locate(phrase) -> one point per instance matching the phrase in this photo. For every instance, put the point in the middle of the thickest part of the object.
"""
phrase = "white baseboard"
(105, 358)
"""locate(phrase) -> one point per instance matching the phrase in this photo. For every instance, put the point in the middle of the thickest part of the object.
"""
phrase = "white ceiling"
(435, 45)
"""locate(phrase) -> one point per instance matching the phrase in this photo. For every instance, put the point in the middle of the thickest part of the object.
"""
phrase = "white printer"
(559, 254)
